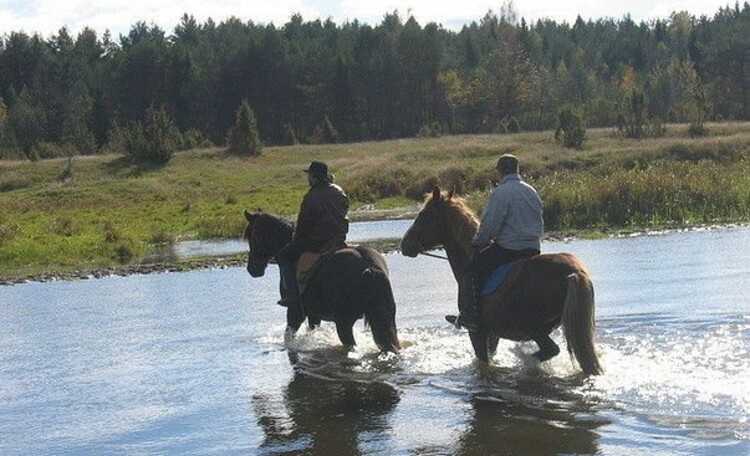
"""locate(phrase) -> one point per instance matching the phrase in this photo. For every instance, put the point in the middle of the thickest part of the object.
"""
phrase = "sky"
(47, 17)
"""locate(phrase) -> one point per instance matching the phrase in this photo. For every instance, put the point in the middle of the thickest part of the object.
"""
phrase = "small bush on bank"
(154, 140)
(243, 138)
(571, 128)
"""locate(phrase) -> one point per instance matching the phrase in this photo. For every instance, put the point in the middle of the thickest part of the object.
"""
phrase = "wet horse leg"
(548, 349)
(492, 342)
(294, 318)
(346, 335)
(479, 343)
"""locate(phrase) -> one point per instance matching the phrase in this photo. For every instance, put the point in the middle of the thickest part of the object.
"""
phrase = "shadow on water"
(325, 417)
(339, 403)
(501, 427)
(524, 412)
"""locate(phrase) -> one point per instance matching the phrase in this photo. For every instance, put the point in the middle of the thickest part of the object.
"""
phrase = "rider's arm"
(493, 218)
(305, 218)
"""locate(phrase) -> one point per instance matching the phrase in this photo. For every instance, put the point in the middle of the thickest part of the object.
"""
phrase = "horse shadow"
(530, 414)
(324, 411)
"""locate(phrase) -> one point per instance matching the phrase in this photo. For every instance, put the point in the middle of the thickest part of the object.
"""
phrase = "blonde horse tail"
(578, 322)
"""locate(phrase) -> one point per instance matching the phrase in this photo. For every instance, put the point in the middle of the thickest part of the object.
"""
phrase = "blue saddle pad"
(497, 277)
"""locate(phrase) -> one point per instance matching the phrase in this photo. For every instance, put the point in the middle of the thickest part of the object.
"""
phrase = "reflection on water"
(320, 416)
(195, 363)
(501, 428)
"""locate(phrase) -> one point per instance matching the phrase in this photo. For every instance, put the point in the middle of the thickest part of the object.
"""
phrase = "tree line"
(320, 82)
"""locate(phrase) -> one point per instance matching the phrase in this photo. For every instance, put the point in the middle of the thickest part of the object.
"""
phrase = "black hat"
(507, 164)
(319, 170)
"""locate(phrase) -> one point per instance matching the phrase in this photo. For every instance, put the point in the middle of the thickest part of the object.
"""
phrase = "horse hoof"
(549, 353)
(289, 334)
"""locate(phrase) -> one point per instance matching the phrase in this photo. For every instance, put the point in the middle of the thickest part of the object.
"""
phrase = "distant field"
(100, 211)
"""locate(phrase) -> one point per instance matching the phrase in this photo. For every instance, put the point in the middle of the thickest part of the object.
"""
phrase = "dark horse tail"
(578, 322)
(380, 314)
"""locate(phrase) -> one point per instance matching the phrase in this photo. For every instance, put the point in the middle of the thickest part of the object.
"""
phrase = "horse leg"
(479, 342)
(313, 323)
(492, 342)
(548, 349)
(346, 335)
(294, 318)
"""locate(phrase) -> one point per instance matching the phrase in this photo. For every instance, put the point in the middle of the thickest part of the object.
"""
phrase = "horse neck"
(281, 236)
(458, 248)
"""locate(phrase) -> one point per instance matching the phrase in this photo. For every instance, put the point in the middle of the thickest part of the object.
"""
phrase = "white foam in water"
(681, 377)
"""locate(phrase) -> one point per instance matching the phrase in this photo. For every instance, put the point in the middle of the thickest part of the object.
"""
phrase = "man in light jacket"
(511, 228)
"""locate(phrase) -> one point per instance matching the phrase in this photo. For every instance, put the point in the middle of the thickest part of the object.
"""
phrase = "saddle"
(309, 262)
(497, 277)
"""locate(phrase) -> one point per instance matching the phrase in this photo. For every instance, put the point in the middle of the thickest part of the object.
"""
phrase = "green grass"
(101, 211)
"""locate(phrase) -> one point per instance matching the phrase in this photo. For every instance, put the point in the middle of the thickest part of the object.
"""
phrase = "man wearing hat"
(511, 228)
(322, 221)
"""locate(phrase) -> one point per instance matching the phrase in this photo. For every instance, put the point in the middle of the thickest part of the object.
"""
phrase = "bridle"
(422, 250)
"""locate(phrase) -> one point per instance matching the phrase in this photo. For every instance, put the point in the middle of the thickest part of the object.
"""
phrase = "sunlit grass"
(108, 211)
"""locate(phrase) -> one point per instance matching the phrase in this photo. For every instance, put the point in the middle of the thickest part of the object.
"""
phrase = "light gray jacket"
(512, 217)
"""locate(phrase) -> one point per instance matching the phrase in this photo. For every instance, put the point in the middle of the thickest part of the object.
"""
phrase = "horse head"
(266, 234)
(430, 229)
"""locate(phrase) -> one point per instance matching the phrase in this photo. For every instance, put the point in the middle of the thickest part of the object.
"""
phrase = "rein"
(441, 257)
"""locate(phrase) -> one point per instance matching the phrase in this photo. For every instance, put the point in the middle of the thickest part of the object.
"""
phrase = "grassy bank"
(94, 212)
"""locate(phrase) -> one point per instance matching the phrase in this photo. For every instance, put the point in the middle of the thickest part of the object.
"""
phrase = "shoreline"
(383, 245)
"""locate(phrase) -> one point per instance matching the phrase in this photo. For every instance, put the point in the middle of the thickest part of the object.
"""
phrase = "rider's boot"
(289, 289)
(468, 316)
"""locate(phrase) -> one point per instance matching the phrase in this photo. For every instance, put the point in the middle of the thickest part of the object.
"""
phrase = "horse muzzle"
(256, 269)
(410, 248)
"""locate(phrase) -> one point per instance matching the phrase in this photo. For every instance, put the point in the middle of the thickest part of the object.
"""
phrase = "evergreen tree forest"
(318, 81)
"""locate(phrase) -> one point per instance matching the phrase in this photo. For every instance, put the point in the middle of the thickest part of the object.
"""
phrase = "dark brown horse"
(347, 285)
(539, 294)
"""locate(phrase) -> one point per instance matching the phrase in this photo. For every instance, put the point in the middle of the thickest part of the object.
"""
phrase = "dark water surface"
(195, 363)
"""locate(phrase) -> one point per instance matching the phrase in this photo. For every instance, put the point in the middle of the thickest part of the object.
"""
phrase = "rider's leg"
(287, 259)
(467, 303)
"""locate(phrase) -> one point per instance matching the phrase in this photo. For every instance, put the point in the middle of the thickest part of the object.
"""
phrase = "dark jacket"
(322, 215)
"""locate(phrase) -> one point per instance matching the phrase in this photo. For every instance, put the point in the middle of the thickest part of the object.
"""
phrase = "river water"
(194, 363)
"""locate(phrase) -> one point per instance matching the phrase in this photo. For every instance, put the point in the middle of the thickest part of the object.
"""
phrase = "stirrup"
(453, 319)
(285, 302)
(459, 323)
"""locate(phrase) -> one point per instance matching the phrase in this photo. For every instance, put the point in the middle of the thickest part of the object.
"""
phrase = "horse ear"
(436, 193)
(248, 216)
(452, 192)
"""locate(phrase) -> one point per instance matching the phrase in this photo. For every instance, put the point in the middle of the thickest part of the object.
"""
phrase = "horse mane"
(462, 220)
(276, 222)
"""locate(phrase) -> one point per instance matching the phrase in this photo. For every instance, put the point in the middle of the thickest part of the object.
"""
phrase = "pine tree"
(571, 129)
(243, 137)
(162, 135)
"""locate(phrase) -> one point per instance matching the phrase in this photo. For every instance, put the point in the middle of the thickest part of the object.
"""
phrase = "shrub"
(571, 128)
(243, 138)
(430, 130)
(290, 137)
(124, 253)
(193, 139)
(632, 116)
(513, 125)
(161, 134)
(66, 173)
(154, 140)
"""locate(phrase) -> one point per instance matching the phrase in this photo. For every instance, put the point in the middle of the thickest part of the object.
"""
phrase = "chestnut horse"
(348, 284)
(538, 295)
